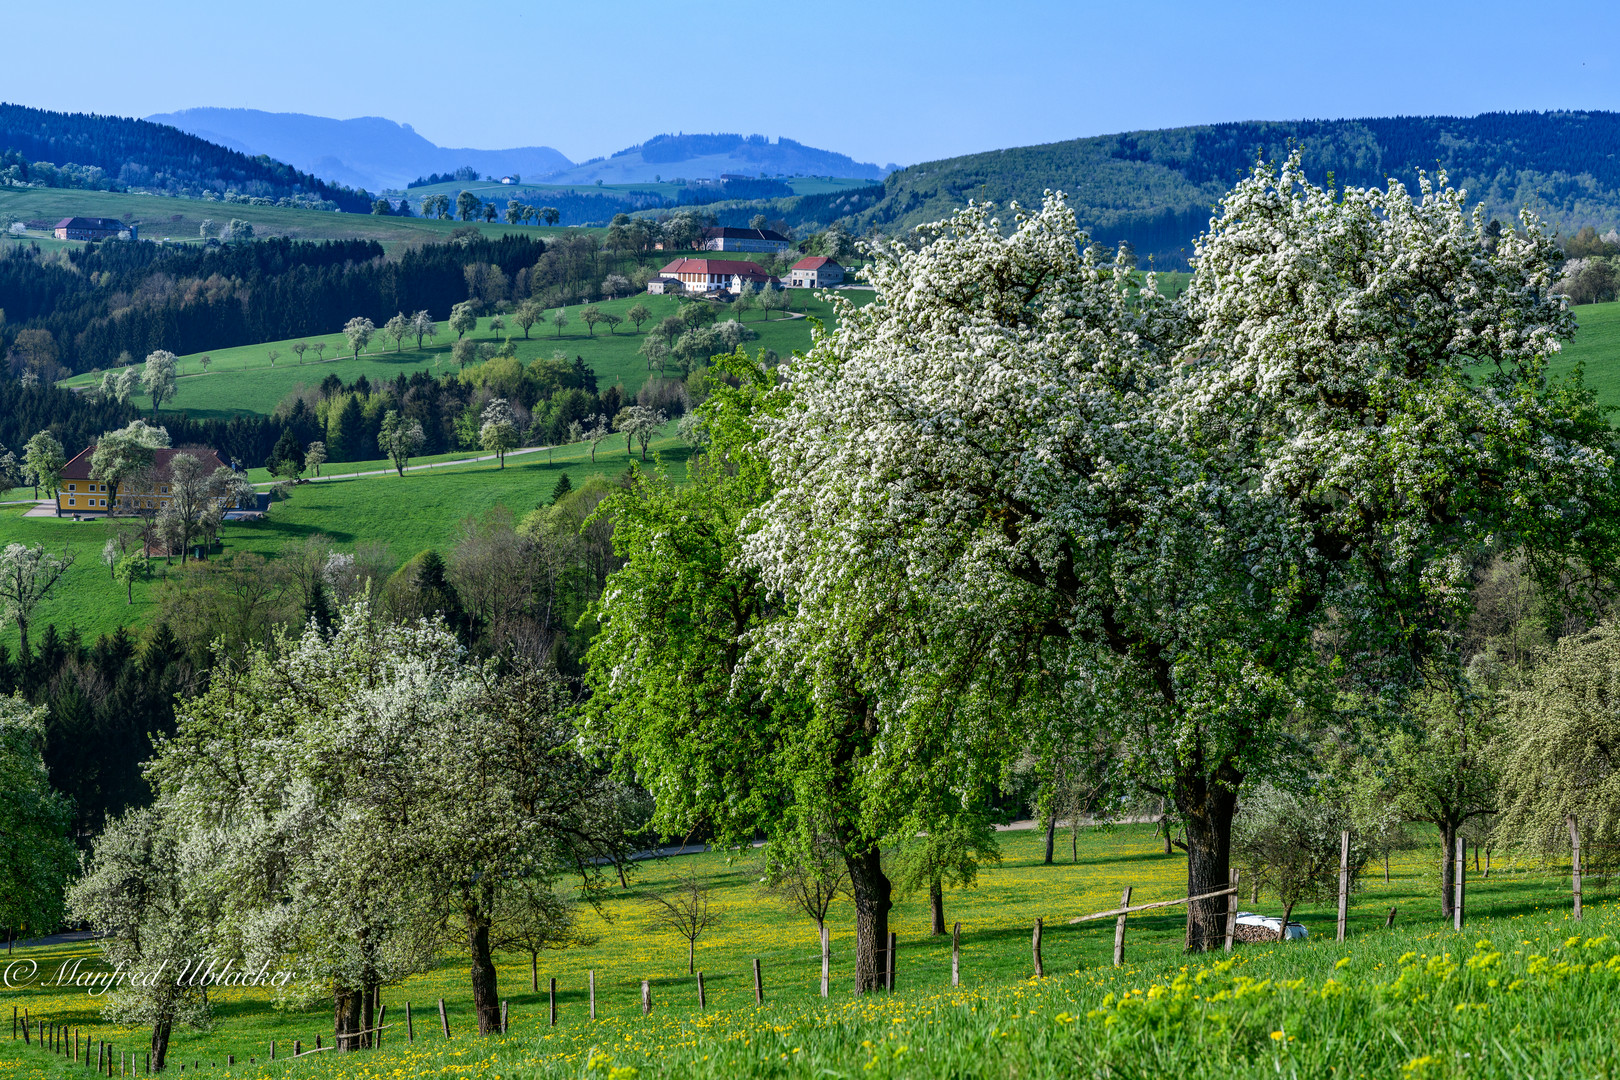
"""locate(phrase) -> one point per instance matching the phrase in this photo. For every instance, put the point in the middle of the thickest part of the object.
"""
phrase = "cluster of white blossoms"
(1022, 475)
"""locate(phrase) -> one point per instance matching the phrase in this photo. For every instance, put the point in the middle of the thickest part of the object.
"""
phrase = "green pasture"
(1596, 346)
(1523, 991)
(242, 379)
(419, 510)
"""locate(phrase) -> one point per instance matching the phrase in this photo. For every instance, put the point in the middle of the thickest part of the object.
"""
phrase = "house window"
(71, 500)
(165, 489)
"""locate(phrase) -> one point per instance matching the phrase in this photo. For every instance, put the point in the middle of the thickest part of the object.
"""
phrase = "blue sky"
(882, 81)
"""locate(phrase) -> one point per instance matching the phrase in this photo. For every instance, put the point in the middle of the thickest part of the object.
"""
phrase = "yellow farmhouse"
(82, 495)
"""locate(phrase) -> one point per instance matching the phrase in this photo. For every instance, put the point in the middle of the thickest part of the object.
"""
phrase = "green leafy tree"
(463, 353)
(43, 462)
(590, 315)
(315, 457)
(560, 320)
(127, 571)
(287, 457)
(562, 487)
(37, 858)
(1559, 758)
(638, 314)
(550, 214)
(467, 206)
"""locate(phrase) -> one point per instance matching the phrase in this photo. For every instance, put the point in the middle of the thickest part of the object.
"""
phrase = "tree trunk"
(936, 907)
(368, 1019)
(691, 947)
(872, 890)
(1051, 833)
(1207, 805)
(1448, 868)
(486, 1000)
(160, 1044)
(346, 1009)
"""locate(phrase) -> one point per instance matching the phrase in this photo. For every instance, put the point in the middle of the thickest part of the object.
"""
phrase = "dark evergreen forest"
(1156, 189)
(139, 154)
(120, 297)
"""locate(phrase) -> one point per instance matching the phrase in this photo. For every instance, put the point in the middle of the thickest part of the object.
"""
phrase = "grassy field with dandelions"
(1523, 991)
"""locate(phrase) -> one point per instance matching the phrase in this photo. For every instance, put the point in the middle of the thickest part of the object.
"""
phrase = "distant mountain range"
(369, 151)
(696, 157)
(377, 154)
(1156, 188)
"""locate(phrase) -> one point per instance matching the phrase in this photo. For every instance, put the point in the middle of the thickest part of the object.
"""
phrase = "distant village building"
(712, 275)
(728, 239)
(81, 494)
(816, 272)
(92, 228)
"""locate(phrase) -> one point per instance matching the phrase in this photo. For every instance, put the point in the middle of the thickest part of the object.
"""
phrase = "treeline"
(102, 301)
(133, 153)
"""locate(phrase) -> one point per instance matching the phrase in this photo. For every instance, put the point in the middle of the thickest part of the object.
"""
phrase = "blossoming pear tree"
(1019, 477)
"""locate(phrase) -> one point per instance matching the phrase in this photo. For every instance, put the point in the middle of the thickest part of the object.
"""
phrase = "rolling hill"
(1155, 188)
(368, 151)
(86, 150)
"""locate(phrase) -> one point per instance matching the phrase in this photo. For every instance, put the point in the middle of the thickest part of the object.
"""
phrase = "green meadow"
(1596, 347)
(1522, 991)
(243, 380)
(411, 513)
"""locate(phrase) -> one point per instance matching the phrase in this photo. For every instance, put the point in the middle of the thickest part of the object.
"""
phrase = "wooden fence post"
(956, 955)
(826, 961)
(101, 1055)
(759, 984)
(376, 1036)
(1035, 948)
(1231, 909)
(1462, 870)
(1119, 928)
(298, 1048)
(272, 1049)
(1344, 882)
(1575, 861)
(702, 1002)
(593, 993)
(553, 1012)
(1389, 922)
(646, 997)
(410, 1026)
(444, 1021)
(894, 945)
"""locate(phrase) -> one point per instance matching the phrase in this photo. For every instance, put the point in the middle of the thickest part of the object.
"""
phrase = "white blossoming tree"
(1015, 478)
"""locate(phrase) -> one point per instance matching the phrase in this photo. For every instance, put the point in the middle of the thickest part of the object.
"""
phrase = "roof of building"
(724, 267)
(729, 233)
(79, 467)
(91, 223)
(814, 262)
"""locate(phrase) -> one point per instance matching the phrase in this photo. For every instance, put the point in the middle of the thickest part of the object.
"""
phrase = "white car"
(1264, 927)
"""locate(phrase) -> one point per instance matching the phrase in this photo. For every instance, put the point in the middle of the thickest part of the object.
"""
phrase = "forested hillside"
(116, 153)
(1155, 188)
(107, 299)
